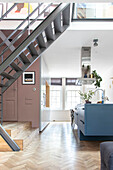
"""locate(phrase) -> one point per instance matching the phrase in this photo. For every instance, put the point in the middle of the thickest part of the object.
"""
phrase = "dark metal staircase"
(33, 46)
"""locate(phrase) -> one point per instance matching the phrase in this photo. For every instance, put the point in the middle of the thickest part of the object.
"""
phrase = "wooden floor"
(55, 149)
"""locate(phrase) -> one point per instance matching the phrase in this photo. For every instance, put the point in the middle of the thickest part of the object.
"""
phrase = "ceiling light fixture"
(95, 41)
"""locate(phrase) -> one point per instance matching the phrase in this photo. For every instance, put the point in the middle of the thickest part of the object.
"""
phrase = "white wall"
(108, 84)
(63, 56)
(44, 111)
(60, 115)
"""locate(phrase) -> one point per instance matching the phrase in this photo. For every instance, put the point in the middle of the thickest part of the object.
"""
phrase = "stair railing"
(23, 31)
(21, 25)
(7, 12)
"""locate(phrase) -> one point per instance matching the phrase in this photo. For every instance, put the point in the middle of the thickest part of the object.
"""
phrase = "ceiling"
(63, 57)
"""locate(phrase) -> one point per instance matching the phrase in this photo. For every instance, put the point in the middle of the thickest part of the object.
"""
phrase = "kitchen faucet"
(103, 94)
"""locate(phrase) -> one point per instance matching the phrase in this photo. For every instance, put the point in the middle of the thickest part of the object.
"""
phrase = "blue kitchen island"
(94, 121)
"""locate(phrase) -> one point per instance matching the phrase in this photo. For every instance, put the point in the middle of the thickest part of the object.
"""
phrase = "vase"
(87, 101)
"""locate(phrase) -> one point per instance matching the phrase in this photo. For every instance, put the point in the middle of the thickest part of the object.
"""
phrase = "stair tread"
(57, 24)
(32, 50)
(7, 75)
(5, 147)
(41, 42)
(16, 67)
(2, 85)
(24, 58)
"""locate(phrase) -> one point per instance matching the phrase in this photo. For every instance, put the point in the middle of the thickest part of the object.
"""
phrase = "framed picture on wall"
(28, 77)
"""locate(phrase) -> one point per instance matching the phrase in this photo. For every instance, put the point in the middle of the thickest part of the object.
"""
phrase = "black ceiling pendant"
(95, 41)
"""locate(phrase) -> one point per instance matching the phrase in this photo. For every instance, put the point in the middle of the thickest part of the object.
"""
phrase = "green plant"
(97, 77)
(86, 96)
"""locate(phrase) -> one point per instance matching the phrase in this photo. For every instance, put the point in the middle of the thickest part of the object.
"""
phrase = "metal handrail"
(32, 36)
(20, 25)
(21, 33)
(8, 11)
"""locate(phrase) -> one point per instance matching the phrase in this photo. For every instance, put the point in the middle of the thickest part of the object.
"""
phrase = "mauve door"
(29, 97)
(10, 103)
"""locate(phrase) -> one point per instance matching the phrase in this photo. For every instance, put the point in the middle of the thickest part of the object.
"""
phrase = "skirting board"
(93, 138)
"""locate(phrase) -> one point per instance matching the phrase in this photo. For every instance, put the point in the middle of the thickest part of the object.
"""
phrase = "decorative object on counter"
(97, 77)
(86, 96)
(99, 102)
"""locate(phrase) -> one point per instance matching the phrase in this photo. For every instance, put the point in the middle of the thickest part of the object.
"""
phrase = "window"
(56, 97)
(56, 81)
(91, 11)
(73, 81)
(72, 97)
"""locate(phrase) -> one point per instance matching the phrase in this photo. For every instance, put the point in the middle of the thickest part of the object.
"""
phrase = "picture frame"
(28, 77)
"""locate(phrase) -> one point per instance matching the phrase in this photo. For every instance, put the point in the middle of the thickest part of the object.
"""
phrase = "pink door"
(10, 103)
(29, 97)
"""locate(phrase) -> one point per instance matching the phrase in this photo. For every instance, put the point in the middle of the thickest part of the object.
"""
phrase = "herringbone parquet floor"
(55, 149)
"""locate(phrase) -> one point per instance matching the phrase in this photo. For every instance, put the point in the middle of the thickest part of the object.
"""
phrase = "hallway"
(56, 148)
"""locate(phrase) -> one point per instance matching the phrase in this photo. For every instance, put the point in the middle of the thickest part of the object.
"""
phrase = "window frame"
(75, 90)
(61, 97)
(87, 19)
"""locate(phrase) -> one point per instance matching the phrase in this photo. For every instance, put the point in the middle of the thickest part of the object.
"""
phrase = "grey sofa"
(106, 151)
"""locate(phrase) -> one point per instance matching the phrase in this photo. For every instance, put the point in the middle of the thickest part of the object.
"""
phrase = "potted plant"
(97, 77)
(86, 96)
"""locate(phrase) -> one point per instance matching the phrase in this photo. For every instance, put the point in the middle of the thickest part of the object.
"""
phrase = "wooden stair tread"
(22, 130)
(8, 131)
(5, 147)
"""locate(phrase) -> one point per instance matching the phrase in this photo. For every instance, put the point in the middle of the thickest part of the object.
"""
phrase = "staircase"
(32, 48)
